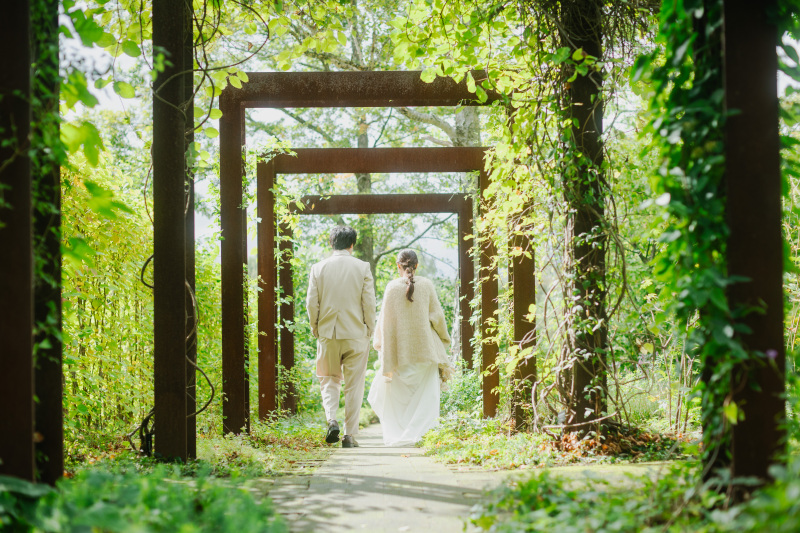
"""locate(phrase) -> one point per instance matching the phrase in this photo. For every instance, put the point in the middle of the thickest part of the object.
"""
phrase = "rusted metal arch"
(387, 160)
(293, 89)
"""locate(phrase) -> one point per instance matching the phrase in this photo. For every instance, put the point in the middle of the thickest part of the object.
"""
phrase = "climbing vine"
(686, 127)
(548, 185)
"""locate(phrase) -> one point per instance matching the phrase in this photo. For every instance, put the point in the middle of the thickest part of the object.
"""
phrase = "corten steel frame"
(173, 234)
(295, 89)
(28, 296)
(16, 276)
(755, 244)
(355, 160)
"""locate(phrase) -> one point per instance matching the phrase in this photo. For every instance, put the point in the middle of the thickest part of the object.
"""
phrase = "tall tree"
(581, 31)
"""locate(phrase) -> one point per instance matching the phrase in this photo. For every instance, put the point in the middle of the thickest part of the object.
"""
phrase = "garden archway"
(355, 160)
(307, 89)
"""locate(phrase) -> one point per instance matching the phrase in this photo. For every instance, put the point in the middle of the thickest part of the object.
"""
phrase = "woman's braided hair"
(407, 260)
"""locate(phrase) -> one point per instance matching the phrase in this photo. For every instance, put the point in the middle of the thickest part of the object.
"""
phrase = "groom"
(341, 310)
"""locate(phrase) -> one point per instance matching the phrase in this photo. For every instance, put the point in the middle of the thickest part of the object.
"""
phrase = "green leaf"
(481, 94)
(77, 251)
(86, 135)
(124, 89)
(131, 48)
(25, 488)
(74, 89)
(215, 114)
(791, 52)
(102, 201)
(561, 55)
(428, 75)
(235, 81)
(731, 412)
(211, 132)
(89, 31)
(106, 40)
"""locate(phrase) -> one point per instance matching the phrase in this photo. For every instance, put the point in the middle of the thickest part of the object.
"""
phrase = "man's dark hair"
(343, 237)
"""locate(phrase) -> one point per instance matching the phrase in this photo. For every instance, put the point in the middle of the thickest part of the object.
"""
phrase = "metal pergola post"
(16, 234)
(48, 380)
(755, 243)
(170, 20)
(189, 241)
(286, 313)
(523, 282)
(490, 291)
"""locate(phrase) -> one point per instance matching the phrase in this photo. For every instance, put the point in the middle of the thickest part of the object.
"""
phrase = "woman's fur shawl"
(412, 332)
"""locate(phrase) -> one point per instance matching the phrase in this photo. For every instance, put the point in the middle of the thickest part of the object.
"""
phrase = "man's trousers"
(339, 359)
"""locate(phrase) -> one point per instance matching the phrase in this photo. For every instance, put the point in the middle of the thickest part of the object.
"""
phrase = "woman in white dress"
(411, 339)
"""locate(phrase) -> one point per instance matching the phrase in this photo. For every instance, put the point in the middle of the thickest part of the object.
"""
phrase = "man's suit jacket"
(341, 298)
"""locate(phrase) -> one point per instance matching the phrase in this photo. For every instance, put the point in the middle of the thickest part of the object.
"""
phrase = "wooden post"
(233, 265)
(489, 306)
(286, 249)
(16, 234)
(755, 246)
(466, 272)
(267, 355)
(191, 311)
(47, 234)
(169, 247)
(523, 280)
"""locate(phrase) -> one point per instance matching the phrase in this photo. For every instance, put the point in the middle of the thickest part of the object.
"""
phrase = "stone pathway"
(377, 489)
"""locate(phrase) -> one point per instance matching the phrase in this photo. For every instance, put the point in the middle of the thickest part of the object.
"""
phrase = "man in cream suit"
(341, 310)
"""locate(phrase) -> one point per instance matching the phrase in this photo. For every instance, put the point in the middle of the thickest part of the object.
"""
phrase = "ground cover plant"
(493, 444)
(129, 499)
(118, 490)
(673, 499)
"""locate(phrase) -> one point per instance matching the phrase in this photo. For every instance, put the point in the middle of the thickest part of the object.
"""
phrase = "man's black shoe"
(349, 442)
(333, 432)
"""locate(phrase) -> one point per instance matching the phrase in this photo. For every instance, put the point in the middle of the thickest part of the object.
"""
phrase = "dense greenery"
(643, 203)
(672, 499)
(131, 500)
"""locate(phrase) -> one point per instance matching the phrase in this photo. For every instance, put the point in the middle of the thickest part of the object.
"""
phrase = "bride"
(411, 339)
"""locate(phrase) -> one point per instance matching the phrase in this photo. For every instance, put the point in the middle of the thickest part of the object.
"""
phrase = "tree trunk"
(585, 238)
(364, 248)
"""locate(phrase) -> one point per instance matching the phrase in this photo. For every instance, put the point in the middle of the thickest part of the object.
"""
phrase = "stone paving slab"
(378, 489)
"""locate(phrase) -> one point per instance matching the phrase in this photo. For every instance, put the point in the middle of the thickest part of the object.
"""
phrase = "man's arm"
(368, 301)
(312, 303)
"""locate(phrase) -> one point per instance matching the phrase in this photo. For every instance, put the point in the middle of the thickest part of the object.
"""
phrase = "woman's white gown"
(411, 339)
(408, 405)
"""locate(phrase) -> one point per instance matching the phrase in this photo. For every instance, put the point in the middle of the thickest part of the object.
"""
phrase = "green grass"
(270, 450)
